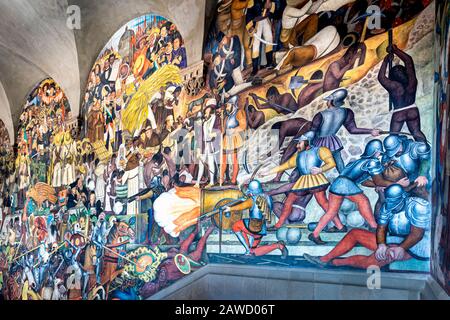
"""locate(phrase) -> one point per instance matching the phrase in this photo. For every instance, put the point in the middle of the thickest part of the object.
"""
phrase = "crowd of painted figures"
(112, 210)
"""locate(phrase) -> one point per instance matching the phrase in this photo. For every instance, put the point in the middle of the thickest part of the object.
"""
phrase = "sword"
(264, 41)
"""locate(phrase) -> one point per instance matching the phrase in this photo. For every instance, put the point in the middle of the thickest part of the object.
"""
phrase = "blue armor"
(338, 97)
(359, 171)
(412, 157)
(399, 213)
(333, 119)
(232, 121)
(308, 159)
(353, 174)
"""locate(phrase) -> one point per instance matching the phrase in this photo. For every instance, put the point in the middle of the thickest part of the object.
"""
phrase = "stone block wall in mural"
(309, 143)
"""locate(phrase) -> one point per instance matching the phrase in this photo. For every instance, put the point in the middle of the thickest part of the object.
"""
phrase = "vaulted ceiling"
(36, 43)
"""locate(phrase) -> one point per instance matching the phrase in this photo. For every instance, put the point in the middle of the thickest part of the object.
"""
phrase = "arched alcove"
(43, 130)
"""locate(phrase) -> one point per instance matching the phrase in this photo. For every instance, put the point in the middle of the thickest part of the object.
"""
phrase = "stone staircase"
(231, 245)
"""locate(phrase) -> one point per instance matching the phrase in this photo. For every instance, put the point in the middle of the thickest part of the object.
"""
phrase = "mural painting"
(308, 143)
(440, 245)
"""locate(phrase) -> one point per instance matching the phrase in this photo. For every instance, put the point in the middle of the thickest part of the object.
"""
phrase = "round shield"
(182, 264)
(78, 241)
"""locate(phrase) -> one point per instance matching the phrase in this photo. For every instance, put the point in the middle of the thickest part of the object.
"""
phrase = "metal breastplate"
(409, 165)
(399, 224)
(308, 159)
(355, 170)
(232, 121)
(261, 205)
(332, 120)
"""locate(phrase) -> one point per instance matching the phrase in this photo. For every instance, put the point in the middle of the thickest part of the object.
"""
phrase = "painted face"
(170, 121)
(163, 32)
(400, 151)
(176, 43)
(301, 145)
(169, 48)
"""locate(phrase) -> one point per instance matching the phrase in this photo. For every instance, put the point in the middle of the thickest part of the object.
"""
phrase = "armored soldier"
(408, 158)
(235, 123)
(403, 233)
(347, 186)
(250, 231)
(99, 235)
(70, 256)
(259, 26)
(326, 124)
(311, 163)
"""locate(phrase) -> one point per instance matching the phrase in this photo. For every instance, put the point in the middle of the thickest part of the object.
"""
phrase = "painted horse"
(119, 235)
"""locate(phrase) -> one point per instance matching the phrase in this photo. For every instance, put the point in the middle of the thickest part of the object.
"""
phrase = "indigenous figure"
(353, 57)
(401, 85)
(281, 103)
(299, 21)
(178, 262)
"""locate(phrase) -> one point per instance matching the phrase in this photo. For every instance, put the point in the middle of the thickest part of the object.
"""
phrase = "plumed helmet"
(392, 145)
(373, 147)
(395, 195)
(254, 188)
(338, 97)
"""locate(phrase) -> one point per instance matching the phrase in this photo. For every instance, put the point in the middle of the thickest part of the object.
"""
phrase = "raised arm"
(383, 79)
(409, 64)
